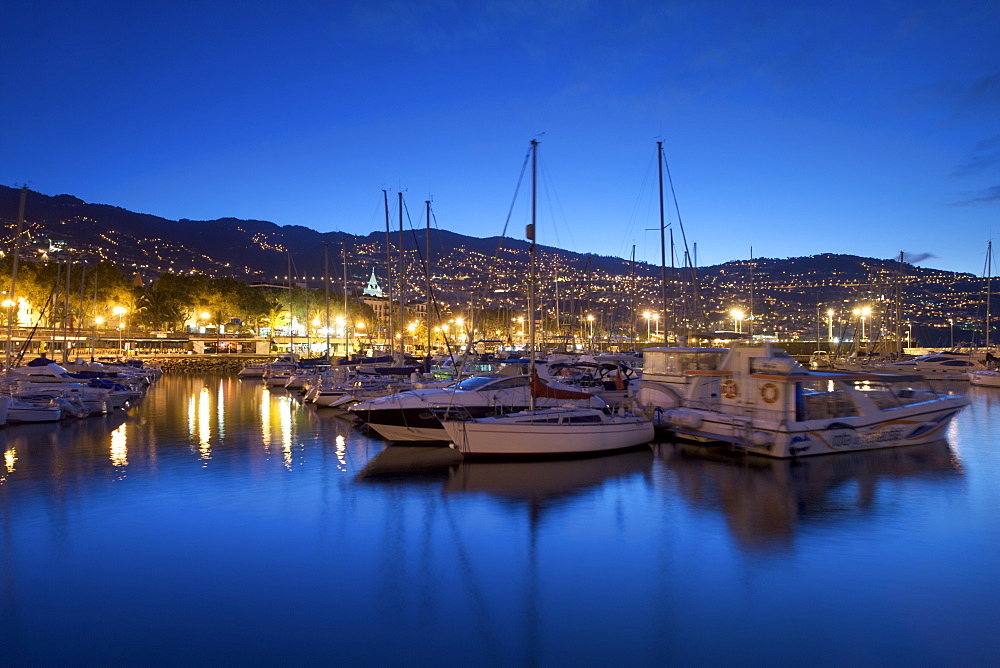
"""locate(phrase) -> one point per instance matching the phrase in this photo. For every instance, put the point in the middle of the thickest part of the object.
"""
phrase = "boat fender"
(682, 418)
(761, 439)
(625, 407)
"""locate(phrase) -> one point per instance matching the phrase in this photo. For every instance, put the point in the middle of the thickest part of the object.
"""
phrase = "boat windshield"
(474, 383)
(888, 394)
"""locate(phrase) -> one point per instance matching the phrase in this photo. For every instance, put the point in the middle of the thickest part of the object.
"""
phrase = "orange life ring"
(769, 392)
(730, 389)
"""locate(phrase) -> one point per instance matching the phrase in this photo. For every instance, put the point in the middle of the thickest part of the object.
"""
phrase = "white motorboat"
(820, 359)
(548, 432)
(949, 365)
(42, 408)
(763, 401)
(413, 415)
(985, 378)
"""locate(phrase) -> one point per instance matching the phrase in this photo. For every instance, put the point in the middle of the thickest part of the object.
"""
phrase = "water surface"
(218, 522)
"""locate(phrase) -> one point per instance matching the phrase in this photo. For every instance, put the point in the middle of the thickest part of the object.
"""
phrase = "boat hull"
(507, 437)
(774, 438)
(985, 378)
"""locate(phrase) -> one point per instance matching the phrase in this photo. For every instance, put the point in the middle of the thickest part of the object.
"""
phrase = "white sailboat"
(545, 432)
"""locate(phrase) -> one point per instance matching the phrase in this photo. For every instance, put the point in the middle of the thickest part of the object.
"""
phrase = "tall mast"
(898, 309)
(291, 313)
(400, 276)
(388, 270)
(663, 243)
(556, 276)
(13, 310)
(631, 298)
(750, 319)
(326, 283)
(531, 277)
(65, 323)
(989, 276)
(427, 298)
(347, 323)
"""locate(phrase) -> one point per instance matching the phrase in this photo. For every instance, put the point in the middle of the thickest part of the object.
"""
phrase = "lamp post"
(656, 319)
(909, 334)
(737, 320)
(647, 315)
(590, 319)
(120, 311)
(951, 331)
(206, 316)
(341, 323)
(863, 313)
(829, 325)
(93, 341)
(359, 332)
(411, 328)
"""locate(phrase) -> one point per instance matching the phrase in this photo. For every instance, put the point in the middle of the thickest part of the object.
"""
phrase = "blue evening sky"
(793, 128)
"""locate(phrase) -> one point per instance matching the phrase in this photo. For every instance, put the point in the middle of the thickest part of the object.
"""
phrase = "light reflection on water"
(673, 554)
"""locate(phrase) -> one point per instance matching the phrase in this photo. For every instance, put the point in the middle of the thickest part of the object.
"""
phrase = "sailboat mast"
(427, 277)
(12, 311)
(631, 296)
(531, 277)
(898, 310)
(347, 323)
(388, 270)
(326, 283)
(291, 313)
(989, 291)
(750, 319)
(402, 283)
(663, 243)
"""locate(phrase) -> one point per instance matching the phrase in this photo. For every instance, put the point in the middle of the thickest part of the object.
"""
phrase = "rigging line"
(34, 328)
(431, 297)
(690, 261)
(636, 206)
(491, 265)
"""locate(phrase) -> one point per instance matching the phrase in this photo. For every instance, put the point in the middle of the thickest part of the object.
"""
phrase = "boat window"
(507, 383)
(822, 400)
(889, 394)
(474, 383)
(957, 363)
(577, 419)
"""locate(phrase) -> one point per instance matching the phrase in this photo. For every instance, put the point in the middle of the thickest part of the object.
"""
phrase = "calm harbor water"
(218, 522)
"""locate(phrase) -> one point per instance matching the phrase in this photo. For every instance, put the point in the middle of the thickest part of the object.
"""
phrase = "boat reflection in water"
(536, 482)
(764, 500)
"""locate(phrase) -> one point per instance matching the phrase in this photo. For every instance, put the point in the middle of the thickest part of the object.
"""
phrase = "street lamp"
(411, 328)
(829, 325)
(737, 320)
(647, 315)
(120, 311)
(93, 344)
(951, 330)
(590, 319)
(863, 313)
(656, 319)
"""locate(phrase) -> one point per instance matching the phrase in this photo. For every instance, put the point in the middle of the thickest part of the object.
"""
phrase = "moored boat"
(762, 401)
